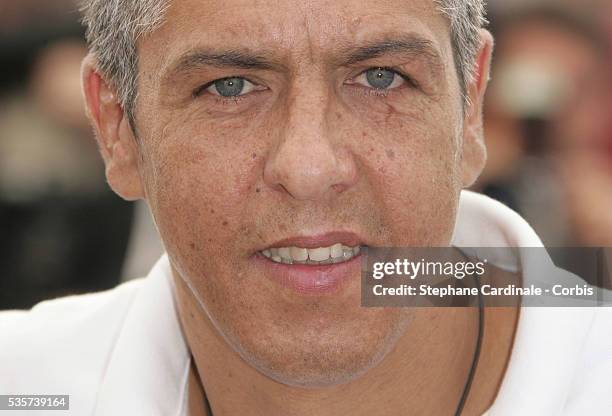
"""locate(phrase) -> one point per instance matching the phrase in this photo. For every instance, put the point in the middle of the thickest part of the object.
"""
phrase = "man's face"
(341, 123)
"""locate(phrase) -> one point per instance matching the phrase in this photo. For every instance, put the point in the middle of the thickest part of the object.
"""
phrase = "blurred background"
(548, 126)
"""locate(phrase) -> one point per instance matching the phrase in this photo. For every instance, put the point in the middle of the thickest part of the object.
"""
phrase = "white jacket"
(122, 352)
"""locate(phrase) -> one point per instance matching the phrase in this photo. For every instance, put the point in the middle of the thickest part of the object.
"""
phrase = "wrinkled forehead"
(294, 29)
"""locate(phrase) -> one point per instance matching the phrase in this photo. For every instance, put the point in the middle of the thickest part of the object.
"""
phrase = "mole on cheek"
(224, 223)
(390, 154)
(254, 155)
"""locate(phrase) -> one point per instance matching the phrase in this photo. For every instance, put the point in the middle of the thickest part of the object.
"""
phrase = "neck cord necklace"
(468, 383)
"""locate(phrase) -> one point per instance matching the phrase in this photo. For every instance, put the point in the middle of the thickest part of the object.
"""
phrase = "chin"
(325, 360)
(317, 375)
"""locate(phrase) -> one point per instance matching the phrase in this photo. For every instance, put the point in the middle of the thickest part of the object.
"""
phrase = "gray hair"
(114, 27)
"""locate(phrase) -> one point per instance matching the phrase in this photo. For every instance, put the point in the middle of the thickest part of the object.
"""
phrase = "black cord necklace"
(470, 379)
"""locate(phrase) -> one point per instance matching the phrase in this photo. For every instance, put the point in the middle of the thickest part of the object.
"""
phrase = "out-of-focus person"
(547, 125)
(587, 170)
(51, 177)
(63, 230)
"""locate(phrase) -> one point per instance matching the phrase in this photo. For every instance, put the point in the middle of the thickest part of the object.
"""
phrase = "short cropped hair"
(113, 28)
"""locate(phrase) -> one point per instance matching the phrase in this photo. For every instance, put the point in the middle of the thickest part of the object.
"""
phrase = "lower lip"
(311, 279)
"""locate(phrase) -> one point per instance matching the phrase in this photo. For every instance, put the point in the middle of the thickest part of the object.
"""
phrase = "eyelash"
(410, 82)
(202, 88)
(198, 91)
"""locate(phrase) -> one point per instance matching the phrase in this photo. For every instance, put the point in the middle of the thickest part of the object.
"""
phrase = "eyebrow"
(221, 59)
(410, 45)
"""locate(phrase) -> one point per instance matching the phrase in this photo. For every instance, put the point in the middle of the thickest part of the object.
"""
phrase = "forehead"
(293, 28)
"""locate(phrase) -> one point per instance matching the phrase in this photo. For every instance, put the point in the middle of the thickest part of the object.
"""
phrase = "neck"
(425, 374)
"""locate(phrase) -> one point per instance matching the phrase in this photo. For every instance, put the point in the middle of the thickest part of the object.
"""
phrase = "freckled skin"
(200, 162)
(308, 153)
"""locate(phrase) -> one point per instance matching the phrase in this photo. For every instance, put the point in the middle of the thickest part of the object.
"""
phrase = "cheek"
(410, 161)
(199, 190)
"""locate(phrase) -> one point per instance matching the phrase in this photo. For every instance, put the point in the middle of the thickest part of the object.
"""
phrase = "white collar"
(148, 369)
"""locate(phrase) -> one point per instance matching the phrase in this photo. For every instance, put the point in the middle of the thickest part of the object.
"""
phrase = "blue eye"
(380, 79)
(230, 87)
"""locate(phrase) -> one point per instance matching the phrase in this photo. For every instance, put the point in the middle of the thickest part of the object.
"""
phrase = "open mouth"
(337, 253)
(315, 264)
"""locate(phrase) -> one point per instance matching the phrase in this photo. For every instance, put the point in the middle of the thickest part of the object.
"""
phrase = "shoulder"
(61, 346)
(63, 316)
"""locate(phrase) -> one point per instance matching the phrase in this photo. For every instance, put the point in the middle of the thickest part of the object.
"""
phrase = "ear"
(113, 132)
(474, 150)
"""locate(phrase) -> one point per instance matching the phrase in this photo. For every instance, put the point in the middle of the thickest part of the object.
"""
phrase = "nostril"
(282, 188)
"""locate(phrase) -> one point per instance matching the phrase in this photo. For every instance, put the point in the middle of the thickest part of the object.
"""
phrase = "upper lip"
(327, 239)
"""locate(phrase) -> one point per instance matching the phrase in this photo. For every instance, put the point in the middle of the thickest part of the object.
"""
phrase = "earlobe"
(115, 137)
(474, 152)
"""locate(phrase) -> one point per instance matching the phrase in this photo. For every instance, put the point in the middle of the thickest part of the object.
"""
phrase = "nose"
(309, 161)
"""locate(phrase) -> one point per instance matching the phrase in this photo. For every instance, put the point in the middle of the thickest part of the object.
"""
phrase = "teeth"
(318, 254)
(284, 252)
(337, 253)
(298, 254)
